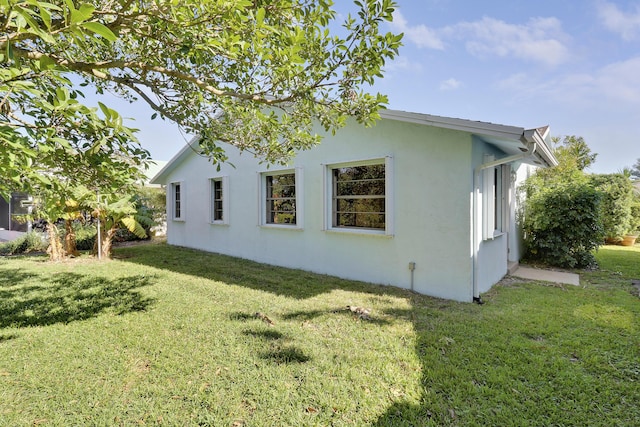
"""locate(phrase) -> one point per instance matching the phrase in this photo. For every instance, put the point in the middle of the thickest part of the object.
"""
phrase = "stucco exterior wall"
(431, 198)
(492, 257)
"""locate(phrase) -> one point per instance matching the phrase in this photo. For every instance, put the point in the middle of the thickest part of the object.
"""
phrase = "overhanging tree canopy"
(254, 73)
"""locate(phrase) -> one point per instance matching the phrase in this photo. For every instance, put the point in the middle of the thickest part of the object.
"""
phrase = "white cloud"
(403, 63)
(540, 40)
(627, 25)
(450, 84)
(420, 35)
(609, 88)
(621, 81)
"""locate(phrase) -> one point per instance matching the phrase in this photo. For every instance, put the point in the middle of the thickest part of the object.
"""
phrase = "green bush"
(635, 215)
(617, 199)
(85, 236)
(30, 242)
(562, 221)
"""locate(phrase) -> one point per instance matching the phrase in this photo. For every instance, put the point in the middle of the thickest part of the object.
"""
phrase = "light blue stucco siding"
(430, 219)
(492, 257)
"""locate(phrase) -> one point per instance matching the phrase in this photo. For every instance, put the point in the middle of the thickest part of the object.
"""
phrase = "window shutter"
(488, 202)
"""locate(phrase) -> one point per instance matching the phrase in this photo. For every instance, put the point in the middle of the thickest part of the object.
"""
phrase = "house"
(418, 201)
(10, 211)
(153, 167)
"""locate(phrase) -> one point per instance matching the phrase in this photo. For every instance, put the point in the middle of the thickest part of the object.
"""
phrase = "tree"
(116, 210)
(50, 209)
(254, 73)
(635, 169)
(617, 201)
(573, 152)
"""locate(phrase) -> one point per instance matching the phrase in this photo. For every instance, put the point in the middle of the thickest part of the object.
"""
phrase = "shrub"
(85, 236)
(635, 215)
(30, 242)
(561, 220)
(617, 199)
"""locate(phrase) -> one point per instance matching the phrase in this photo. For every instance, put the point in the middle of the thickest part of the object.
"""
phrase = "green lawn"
(169, 336)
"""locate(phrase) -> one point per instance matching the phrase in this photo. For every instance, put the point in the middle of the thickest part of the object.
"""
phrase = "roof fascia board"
(543, 151)
(190, 147)
(480, 128)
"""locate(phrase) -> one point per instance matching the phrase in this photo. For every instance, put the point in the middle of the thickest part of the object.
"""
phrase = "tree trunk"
(55, 249)
(107, 240)
(70, 239)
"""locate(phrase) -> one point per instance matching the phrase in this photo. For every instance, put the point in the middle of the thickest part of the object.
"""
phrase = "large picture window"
(358, 196)
(280, 199)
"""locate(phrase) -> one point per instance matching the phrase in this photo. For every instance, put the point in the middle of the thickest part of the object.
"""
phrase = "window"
(219, 200)
(216, 188)
(497, 199)
(494, 200)
(281, 198)
(177, 199)
(359, 197)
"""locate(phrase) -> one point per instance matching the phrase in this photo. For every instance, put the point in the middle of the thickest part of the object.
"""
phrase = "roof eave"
(543, 153)
(161, 176)
(474, 127)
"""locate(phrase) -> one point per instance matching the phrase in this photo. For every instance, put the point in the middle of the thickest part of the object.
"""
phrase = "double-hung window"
(360, 197)
(177, 200)
(281, 198)
(219, 189)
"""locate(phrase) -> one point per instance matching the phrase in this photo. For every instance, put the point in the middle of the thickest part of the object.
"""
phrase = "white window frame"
(262, 195)
(181, 216)
(495, 202)
(389, 204)
(224, 182)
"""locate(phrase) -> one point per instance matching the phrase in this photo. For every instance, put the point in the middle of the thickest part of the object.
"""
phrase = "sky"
(573, 65)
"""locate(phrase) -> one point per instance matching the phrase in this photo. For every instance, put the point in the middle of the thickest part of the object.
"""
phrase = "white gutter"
(532, 146)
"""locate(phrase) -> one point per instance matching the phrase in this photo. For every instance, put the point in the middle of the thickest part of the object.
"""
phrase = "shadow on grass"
(286, 355)
(282, 281)
(343, 312)
(13, 277)
(281, 351)
(7, 337)
(266, 334)
(69, 297)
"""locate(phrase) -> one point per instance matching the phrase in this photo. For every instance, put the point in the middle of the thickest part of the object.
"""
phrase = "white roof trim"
(481, 128)
(189, 147)
(509, 133)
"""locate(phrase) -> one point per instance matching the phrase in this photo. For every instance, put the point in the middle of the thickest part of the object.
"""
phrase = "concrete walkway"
(7, 235)
(547, 276)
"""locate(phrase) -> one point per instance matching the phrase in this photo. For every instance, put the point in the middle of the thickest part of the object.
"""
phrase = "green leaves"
(100, 29)
(258, 75)
(81, 14)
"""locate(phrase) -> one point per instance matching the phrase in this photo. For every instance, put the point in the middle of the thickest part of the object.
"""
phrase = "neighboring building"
(10, 211)
(418, 201)
(153, 167)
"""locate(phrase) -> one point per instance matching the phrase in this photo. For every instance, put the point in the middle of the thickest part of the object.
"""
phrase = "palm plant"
(120, 210)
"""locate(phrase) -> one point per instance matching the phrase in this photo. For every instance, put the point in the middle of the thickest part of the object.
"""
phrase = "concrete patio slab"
(547, 276)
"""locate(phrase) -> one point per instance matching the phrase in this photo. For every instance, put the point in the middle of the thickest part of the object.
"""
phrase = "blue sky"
(573, 65)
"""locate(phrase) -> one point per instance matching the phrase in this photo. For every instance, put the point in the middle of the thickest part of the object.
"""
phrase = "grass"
(170, 336)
